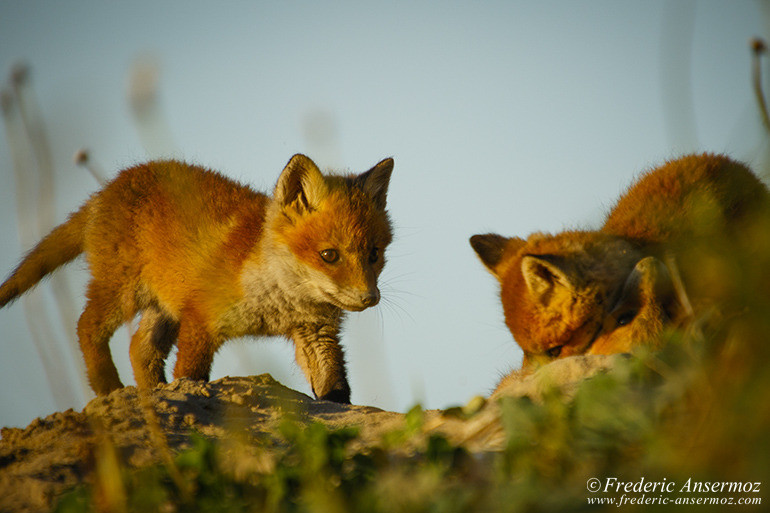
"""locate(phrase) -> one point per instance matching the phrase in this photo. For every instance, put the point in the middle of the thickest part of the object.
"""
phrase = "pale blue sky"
(502, 116)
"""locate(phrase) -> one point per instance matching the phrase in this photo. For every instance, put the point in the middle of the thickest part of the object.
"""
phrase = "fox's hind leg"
(99, 320)
(150, 346)
(195, 348)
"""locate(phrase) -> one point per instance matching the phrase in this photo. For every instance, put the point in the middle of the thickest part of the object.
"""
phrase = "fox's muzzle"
(370, 298)
(360, 300)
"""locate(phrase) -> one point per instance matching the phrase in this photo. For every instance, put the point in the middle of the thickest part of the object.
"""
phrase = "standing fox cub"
(606, 291)
(205, 259)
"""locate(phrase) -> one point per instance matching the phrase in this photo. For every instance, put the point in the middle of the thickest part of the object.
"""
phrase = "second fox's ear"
(375, 182)
(301, 181)
(649, 288)
(546, 277)
(491, 248)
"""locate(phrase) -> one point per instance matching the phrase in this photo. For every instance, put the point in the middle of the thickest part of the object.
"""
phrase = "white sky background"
(509, 116)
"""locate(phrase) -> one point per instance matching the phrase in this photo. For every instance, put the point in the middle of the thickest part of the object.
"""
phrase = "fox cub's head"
(333, 231)
(576, 292)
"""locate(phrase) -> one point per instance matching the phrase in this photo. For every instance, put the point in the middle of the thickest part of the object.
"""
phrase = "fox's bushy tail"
(60, 246)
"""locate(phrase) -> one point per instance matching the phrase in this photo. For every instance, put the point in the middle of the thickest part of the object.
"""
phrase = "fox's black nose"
(371, 298)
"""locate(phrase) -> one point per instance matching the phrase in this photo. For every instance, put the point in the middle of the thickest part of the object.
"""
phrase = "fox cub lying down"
(205, 259)
(607, 291)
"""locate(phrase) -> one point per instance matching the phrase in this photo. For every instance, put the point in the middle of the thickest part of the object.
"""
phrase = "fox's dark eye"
(554, 352)
(626, 318)
(374, 255)
(330, 255)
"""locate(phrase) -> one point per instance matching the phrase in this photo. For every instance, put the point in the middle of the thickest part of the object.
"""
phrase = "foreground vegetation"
(697, 411)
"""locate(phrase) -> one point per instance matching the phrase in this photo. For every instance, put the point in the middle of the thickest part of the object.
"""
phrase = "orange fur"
(608, 291)
(205, 259)
(555, 288)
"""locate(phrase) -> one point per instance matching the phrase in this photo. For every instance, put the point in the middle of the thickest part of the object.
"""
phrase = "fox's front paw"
(337, 396)
(340, 393)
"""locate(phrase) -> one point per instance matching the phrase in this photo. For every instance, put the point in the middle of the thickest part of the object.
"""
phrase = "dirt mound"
(53, 454)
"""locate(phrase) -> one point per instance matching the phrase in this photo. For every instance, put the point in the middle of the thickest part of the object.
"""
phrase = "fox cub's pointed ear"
(375, 182)
(546, 277)
(491, 248)
(648, 290)
(300, 181)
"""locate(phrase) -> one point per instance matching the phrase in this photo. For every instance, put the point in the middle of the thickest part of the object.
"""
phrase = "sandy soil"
(55, 453)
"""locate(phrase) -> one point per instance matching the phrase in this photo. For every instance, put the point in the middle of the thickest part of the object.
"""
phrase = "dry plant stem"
(758, 48)
(50, 357)
(704, 390)
(83, 159)
(158, 439)
(111, 496)
(659, 367)
(694, 330)
(681, 293)
(32, 125)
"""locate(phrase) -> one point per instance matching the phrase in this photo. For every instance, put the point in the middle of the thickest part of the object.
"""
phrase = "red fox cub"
(607, 291)
(205, 259)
